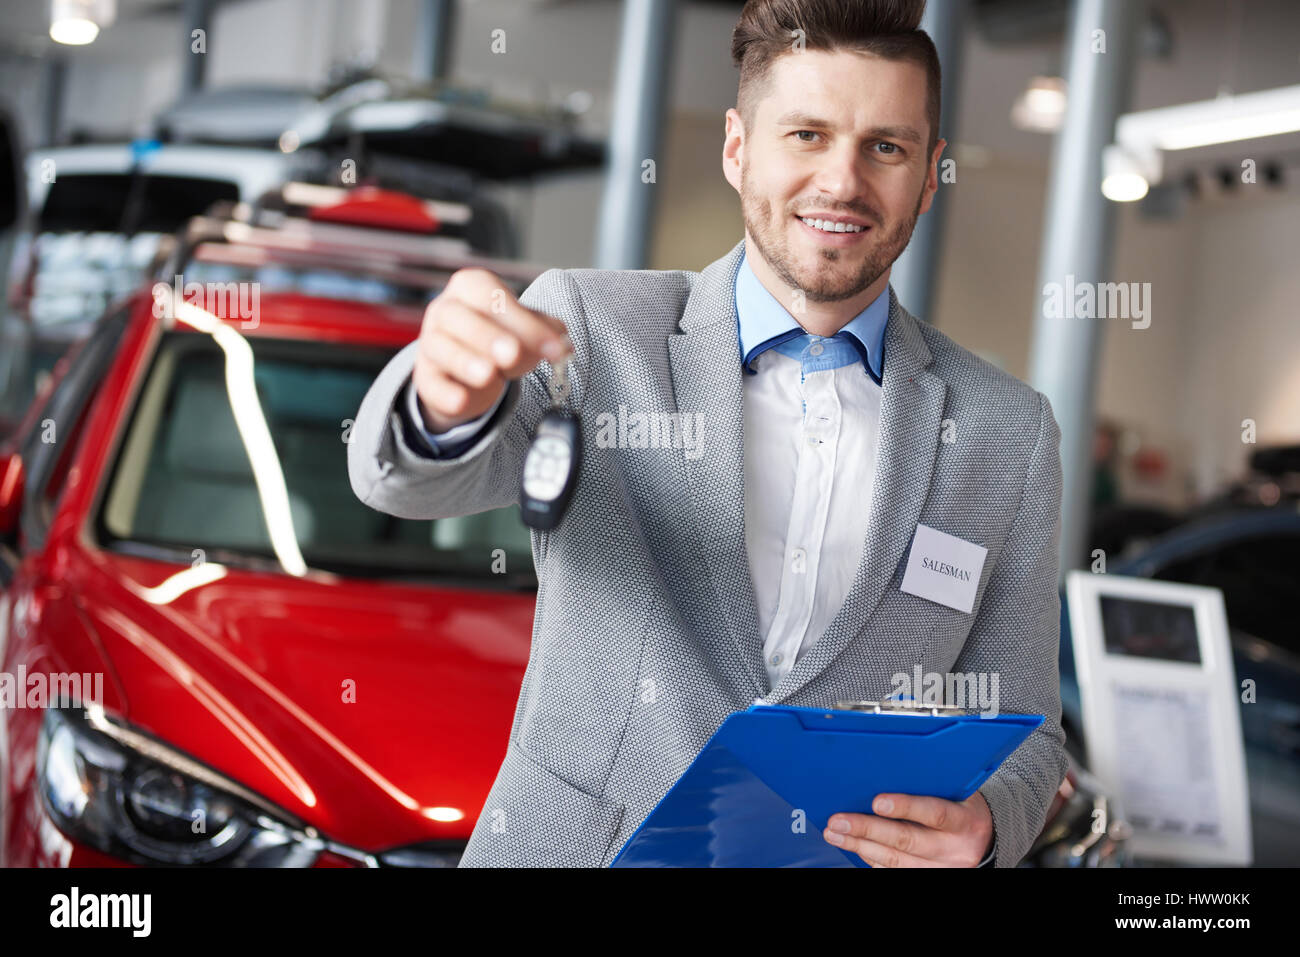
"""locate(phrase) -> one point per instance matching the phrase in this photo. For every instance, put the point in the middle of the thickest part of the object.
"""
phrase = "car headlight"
(133, 797)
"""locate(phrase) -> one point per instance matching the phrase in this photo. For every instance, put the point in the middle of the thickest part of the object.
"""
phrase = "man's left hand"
(909, 830)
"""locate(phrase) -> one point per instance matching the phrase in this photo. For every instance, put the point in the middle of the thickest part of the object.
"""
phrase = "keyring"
(559, 384)
(554, 458)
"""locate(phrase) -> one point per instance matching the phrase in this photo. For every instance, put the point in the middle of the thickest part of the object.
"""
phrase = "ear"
(733, 148)
(932, 176)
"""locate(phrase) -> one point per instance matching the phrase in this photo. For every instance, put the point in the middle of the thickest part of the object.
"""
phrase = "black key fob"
(551, 470)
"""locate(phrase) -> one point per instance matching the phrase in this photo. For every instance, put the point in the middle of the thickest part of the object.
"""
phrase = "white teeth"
(826, 226)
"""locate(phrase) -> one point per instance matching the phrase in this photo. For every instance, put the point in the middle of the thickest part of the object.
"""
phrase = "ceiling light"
(1230, 130)
(1226, 119)
(74, 31)
(78, 22)
(1126, 176)
(1124, 187)
(1041, 107)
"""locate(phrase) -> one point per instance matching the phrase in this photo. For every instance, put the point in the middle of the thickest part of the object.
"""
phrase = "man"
(765, 558)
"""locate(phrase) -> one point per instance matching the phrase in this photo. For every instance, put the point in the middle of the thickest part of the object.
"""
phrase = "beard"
(824, 282)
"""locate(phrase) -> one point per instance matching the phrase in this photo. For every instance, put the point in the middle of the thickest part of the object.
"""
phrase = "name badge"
(943, 568)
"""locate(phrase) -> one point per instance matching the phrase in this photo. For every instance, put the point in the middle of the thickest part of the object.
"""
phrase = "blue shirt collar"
(764, 324)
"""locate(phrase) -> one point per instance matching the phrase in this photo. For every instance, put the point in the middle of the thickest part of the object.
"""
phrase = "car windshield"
(196, 476)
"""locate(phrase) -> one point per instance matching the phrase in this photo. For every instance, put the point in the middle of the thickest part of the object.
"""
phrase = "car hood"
(376, 712)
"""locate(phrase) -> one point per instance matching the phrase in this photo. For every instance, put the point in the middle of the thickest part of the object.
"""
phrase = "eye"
(801, 132)
(893, 150)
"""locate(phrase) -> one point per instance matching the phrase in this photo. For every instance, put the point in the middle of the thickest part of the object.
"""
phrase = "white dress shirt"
(812, 411)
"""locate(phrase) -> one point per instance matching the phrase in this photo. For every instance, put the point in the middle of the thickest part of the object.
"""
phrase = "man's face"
(839, 135)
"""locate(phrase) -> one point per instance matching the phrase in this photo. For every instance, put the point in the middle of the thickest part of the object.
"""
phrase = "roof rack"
(306, 226)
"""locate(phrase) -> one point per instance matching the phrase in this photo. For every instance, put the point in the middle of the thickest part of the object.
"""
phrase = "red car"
(210, 651)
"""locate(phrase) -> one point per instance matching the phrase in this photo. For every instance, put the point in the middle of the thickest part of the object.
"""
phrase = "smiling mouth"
(839, 235)
(828, 226)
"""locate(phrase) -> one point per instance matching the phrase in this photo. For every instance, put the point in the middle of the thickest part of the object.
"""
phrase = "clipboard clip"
(895, 706)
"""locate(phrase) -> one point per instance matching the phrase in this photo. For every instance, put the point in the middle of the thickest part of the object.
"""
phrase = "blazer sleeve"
(393, 473)
(1016, 636)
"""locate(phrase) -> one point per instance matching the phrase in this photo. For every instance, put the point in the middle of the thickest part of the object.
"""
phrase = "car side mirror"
(11, 493)
(11, 172)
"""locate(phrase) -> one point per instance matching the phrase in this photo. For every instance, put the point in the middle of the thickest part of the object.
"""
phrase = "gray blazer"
(645, 635)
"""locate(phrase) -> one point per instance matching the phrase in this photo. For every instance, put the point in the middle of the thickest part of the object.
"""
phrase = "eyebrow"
(800, 118)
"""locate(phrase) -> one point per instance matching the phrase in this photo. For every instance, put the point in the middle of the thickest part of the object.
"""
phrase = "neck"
(818, 318)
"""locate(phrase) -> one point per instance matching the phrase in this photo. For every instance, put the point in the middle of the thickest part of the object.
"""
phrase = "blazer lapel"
(911, 415)
(705, 360)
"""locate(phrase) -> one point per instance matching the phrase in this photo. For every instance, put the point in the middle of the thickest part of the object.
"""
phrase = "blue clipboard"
(771, 767)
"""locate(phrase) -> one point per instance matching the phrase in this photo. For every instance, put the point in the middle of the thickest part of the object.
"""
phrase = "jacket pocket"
(947, 637)
(535, 818)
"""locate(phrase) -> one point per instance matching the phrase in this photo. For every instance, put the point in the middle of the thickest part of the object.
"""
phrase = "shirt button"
(776, 659)
(816, 349)
(813, 440)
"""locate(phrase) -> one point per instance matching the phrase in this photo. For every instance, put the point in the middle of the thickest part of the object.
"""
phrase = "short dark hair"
(886, 28)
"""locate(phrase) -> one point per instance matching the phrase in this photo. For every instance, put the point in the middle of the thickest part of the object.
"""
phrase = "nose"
(842, 179)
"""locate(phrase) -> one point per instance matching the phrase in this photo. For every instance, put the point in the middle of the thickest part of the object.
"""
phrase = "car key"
(553, 461)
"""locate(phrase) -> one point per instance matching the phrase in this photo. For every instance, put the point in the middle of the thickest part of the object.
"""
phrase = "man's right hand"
(475, 337)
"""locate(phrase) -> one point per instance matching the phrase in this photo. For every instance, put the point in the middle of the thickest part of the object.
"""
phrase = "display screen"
(1149, 629)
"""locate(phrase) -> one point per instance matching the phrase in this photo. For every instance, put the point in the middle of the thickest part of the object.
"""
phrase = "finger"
(877, 855)
(536, 331)
(539, 332)
(498, 299)
(478, 334)
(905, 836)
(931, 811)
(515, 357)
(441, 394)
(459, 363)
(486, 337)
